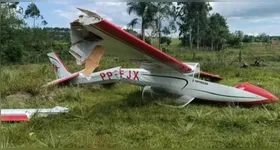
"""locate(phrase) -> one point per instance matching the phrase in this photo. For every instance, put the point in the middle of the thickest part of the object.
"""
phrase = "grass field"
(117, 117)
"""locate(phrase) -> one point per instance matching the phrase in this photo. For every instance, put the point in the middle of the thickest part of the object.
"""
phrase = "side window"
(197, 75)
(197, 71)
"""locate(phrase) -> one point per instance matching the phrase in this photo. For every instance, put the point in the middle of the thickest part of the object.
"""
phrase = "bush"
(166, 50)
(147, 39)
(166, 40)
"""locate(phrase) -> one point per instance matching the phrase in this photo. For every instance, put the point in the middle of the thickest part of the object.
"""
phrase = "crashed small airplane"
(92, 36)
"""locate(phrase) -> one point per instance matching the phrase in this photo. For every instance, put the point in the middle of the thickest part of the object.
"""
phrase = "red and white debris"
(19, 115)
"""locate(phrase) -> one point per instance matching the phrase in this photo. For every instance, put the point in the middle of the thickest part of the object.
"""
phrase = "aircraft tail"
(61, 70)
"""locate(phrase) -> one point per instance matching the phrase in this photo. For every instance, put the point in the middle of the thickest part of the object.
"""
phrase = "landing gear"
(176, 101)
(148, 91)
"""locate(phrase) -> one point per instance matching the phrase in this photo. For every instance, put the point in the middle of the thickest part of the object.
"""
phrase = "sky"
(252, 17)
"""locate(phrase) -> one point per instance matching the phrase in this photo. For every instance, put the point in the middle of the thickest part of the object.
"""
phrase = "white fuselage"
(176, 83)
(186, 84)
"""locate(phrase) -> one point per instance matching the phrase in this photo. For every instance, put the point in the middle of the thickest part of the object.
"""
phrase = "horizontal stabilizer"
(211, 76)
(62, 80)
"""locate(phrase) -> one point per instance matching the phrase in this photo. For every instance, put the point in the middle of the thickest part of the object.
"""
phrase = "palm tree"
(145, 11)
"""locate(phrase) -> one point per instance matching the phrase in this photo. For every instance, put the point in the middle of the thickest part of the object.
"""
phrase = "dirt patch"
(19, 96)
(19, 100)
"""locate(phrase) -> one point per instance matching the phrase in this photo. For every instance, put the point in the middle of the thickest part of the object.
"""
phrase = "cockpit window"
(197, 75)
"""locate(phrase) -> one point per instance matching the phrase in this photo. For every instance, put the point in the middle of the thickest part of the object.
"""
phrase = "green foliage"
(131, 31)
(33, 11)
(235, 39)
(11, 35)
(218, 31)
(165, 39)
(248, 39)
(147, 39)
(145, 11)
(23, 45)
(264, 38)
(193, 22)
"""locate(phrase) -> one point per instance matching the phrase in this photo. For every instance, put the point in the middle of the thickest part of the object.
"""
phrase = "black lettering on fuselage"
(201, 82)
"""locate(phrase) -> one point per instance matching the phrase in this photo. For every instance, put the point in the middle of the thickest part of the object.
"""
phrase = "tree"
(164, 11)
(192, 20)
(10, 39)
(166, 31)
(186, 19)
(218, 30)
(248, 39)
(263, 37)
(201, 9)
(145, 11)
(166, 40)
(32, 11)
(133, 32)
(236, 38)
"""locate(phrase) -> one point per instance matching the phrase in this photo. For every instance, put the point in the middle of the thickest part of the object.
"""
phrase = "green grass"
(117, 117)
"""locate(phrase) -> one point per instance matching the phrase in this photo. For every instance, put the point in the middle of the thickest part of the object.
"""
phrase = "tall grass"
(117, 117)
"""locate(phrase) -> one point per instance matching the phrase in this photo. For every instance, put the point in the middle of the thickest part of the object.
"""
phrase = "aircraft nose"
(269, 97)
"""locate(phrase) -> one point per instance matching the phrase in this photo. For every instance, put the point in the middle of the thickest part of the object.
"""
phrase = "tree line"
(198, 29)
(196, 26)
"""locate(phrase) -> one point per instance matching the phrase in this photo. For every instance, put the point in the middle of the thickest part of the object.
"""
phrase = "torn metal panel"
(82, 44)
(93, 60)
(90, 18)
(25, 114)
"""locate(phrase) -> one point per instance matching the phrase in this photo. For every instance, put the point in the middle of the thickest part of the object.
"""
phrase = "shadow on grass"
(134, 99)
(226, 104)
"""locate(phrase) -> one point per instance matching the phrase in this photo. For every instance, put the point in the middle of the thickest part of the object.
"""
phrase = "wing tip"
(90, 13)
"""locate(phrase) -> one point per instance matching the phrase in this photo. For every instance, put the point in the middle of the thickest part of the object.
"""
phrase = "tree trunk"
(204, 44)
(159, 33)
(190, 37)
(34, 22)
(212, 40)
(9, 11)
(197, 36)
(212, 44)
(143, 31)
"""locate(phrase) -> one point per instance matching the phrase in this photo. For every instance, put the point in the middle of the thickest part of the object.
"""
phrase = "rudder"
(60, 68)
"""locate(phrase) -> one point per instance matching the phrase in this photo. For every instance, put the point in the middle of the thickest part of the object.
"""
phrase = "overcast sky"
(251, 17)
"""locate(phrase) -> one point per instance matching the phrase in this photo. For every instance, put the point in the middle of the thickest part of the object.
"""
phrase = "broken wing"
(91, 31)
